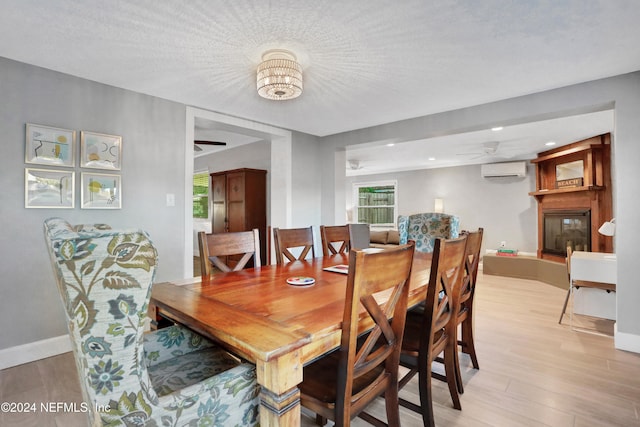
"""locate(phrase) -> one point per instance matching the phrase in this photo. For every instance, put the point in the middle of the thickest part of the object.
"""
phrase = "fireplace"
(562, 228)
(574, 195)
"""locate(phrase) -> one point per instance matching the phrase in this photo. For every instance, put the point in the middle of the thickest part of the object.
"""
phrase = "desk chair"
(340, 385)
(432, 331)
(290, 238)
(167, 377)
(217, 250)
(577, 284)
(335, 239)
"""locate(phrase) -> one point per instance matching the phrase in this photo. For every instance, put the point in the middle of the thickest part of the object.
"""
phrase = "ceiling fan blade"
(209, 142)
(196, 148)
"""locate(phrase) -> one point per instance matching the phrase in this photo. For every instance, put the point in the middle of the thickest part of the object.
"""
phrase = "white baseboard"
(18, 355)
(627, 342)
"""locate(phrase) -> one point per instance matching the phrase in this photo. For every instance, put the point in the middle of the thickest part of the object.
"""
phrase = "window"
(375, 203)
(201, 195)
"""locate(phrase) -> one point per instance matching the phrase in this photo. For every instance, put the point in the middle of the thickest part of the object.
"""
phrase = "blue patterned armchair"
(424, 228)
(131, 378)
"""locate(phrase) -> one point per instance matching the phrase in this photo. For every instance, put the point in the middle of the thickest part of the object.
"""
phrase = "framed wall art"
(100, 191)
(51, 146)
(49, 188)
(100, 151)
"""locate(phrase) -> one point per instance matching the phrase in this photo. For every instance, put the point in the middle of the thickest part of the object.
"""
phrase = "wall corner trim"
(625, 341)
(18, 355)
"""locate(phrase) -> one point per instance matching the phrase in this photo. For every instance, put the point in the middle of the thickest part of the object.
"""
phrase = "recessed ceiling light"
(497, 128)
(550, 143)
(391, 144)
(432, 158)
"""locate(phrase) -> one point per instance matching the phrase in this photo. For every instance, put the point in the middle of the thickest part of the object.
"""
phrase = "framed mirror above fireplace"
(570, 174)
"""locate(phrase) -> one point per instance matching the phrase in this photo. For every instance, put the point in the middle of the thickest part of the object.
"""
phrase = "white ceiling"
(365, 62)
(516, 142)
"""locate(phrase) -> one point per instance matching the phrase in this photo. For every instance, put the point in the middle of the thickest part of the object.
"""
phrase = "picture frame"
(49, 188)
(100, 151)
(100, 191)
(51, 146)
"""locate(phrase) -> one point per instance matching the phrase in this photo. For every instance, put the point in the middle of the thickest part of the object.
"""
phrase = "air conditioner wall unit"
(492, 170)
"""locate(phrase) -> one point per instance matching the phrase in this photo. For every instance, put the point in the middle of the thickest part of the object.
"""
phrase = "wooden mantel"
(593, 194)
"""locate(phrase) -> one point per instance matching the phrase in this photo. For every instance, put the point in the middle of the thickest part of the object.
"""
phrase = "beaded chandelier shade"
(279, 76)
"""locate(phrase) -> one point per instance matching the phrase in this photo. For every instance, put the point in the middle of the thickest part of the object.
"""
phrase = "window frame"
(207, 195)
(356, 186)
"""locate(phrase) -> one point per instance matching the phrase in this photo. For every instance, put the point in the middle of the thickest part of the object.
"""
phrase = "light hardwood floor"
(533, 371)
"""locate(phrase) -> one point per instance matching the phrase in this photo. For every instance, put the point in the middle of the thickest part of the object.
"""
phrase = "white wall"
(254, 156)
(502, 206)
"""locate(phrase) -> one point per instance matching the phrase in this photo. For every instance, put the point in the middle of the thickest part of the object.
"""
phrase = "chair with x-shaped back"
(465, 301)
(335, 239)
(432, 331)
(289, 238)
(228, 251)
(339, 386)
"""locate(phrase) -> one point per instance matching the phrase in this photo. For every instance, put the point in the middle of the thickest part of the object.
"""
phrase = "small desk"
(594, 267)
(279, 327)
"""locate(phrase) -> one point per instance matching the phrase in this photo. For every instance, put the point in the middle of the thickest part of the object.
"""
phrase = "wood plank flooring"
(533, 371)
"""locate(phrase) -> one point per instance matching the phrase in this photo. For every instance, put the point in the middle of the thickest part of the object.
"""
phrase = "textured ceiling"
(365, 62)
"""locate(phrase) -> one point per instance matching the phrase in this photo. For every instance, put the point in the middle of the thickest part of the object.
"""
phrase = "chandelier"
(279, 76)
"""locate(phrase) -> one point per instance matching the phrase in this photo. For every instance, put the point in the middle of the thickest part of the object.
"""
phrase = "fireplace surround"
(571, 209)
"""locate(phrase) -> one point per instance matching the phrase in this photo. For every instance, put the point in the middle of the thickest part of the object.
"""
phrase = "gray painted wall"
(502, 206)
(153, 134)
(305, 193)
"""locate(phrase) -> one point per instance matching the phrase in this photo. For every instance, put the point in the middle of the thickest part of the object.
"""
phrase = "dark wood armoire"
(240, 203)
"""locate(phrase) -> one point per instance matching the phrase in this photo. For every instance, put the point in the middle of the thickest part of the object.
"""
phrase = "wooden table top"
(261, 317)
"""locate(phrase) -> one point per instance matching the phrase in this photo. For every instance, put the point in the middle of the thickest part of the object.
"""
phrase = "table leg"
(157, 320)
(279, 394)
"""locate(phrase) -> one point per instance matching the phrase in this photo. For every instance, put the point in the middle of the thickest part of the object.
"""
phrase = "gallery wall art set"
(52, 183)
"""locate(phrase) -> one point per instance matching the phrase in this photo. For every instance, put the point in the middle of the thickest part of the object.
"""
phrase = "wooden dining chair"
(289, 238)
(335, 239)
(465, 302)
(432, 331)
(609, 287)
(340, 385)
(218, 250)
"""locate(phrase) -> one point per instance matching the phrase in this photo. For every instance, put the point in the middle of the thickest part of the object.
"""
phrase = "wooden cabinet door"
(236, 202)
(239, 203)
(219, 189)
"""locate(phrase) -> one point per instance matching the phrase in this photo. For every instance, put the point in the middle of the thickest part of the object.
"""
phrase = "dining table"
(256, 314)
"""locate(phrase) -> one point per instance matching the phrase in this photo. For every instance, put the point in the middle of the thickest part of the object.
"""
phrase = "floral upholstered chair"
(171, 377)
(424, 228)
